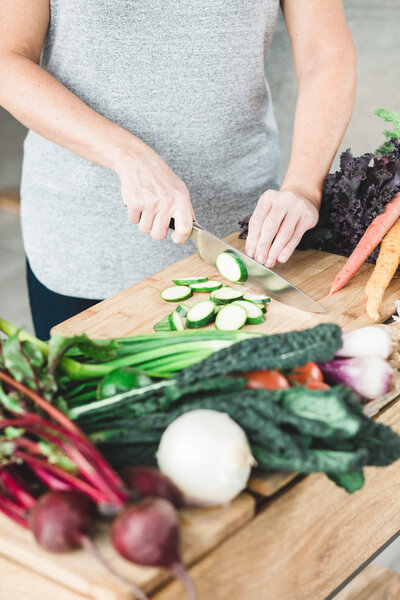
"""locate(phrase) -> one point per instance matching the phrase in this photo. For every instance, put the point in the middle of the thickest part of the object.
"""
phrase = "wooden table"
(302, 538)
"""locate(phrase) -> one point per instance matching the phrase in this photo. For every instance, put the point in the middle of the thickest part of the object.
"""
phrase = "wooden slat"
(136, 309)
(202, 530)
(305, 542)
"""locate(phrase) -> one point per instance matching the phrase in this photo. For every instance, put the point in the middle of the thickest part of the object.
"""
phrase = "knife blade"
(259, 278)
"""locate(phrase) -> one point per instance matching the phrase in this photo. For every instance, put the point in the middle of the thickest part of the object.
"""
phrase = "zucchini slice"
(226, 295)
(176, 293)
(255, 315)
(230, 318)
(182, 309)
(190, 280)
(163, 325)
(231, 267)
(206, 286)
(176, 321)
(257, 298)
(200, 314)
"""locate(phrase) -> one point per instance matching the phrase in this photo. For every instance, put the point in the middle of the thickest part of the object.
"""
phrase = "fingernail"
(283, 258)
(260, 258)
(250, 252)
(269, 263)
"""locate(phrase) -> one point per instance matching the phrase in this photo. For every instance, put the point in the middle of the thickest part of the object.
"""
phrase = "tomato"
(267, 380)
(316, 385)
(308, 372)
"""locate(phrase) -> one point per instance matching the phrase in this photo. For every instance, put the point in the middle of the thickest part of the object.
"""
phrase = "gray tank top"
(185, 76)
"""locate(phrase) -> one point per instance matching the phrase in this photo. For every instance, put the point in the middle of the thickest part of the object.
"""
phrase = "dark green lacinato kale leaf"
(294, 429)
(151, 398)
(282, 351)
(351, 482)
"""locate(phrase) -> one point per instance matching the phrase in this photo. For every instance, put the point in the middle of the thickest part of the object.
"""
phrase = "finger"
(146, 220)
(255, 225)
(293, 242)
(183, 226)
(133, 215)
(282, 238)
(160, 227)
(268, 232)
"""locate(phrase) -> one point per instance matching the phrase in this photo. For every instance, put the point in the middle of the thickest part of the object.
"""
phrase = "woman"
(162, 102)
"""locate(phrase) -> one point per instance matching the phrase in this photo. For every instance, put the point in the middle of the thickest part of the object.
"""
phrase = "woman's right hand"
(153, 194)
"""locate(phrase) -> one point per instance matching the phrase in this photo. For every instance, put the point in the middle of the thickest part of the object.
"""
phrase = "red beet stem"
(91, 451)
(179, 571)
(44, 404)
(89, 545)
(74, 481)
(92, 477)
(17, 490)
(87, 470)
(13, 511)
(53, 482)
(33, 423)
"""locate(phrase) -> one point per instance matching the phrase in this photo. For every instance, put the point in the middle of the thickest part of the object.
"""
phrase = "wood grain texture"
(136, 309)
(19, 583)
(375, 582)
(202, 530)
(306, 541)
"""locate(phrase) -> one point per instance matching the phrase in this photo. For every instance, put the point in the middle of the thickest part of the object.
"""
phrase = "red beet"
(148, 481)
(62, 520)
(147, 534)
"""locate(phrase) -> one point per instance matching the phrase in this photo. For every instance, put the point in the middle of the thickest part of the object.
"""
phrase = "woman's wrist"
(122, 148)
(313, 194)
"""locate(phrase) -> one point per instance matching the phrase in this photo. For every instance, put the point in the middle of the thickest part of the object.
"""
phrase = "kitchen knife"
(259, 277)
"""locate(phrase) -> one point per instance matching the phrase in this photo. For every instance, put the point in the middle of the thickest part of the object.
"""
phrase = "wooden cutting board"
(136, 309)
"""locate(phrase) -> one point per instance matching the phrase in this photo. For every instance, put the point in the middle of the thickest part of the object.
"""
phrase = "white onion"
(366, 341)
(207, 455)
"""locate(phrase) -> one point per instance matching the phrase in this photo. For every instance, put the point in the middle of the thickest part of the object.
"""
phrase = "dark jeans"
(49, 308)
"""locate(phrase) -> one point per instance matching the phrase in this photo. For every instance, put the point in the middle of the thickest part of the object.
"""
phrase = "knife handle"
(172, 225)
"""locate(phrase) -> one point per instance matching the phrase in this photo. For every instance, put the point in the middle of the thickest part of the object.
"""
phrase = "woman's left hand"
(277, 225)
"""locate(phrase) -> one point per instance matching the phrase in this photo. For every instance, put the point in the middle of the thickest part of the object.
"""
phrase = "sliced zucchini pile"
(229, 307)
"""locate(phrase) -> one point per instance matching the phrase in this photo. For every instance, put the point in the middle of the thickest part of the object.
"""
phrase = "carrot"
(369, 241)
(385, 268)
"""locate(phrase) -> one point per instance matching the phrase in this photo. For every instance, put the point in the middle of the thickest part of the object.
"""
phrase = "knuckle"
(286, 229)
(144, 227)
(256, 220)
(158, 235)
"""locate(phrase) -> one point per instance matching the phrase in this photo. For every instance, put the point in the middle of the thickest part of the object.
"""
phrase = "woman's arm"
(150, 189)
(325, 64)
